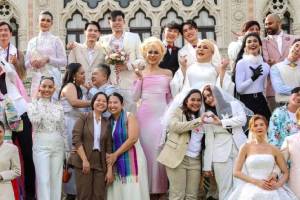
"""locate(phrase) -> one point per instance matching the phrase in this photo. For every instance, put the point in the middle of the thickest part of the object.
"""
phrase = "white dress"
(132, 190)
(260, 166)
(199, 75)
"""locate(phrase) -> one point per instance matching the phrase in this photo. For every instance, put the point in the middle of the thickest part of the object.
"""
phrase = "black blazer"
(170, 61)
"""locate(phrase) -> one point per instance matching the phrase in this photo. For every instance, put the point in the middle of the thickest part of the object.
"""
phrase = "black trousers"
(257, 103)
(24, 139)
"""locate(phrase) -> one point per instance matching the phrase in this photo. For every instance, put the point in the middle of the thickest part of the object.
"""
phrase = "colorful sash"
(126, 164)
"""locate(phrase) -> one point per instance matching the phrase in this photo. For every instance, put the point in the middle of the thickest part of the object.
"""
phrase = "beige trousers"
(185, 179)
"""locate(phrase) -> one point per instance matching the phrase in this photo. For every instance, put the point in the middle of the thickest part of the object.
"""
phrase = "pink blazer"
(270, 52)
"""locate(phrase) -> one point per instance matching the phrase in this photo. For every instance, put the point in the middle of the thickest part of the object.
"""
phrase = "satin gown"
(260, 166)
(154, 95)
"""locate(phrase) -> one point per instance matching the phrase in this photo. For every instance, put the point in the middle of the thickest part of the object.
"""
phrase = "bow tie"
(171, 47)
(293, 64)
(194, 46)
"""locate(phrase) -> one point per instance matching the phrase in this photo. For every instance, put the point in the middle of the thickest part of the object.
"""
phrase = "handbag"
(66, 173)
(14, 121)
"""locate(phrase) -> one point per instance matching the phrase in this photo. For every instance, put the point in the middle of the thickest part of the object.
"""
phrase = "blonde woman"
(259, 159)
(152, 89)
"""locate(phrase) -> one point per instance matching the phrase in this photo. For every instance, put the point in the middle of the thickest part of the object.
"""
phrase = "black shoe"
(71, 197)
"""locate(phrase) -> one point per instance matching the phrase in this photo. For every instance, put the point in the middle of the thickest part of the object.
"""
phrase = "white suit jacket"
(131, 45)
(218, 145)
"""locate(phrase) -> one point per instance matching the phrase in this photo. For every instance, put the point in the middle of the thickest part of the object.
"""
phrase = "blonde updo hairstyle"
(150, 42)
(208, 43)
(251, 136)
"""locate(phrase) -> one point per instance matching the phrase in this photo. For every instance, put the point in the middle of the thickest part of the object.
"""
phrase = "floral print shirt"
(281, 125)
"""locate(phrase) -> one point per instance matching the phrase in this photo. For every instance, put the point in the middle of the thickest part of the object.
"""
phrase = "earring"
(74, 80)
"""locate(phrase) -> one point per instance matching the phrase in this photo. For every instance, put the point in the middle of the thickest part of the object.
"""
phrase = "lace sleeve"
(35, 114)
(62, 128)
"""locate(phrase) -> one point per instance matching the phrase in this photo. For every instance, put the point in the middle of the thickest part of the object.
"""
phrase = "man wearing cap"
(285, 75)
(283, 120)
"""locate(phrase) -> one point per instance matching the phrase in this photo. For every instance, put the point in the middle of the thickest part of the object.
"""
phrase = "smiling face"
(5, 34)
(252, 46)
(100, 104)
(47, 88)
(208, 97)
(92, 33)
(45, 22)
(117, 24)
(294, 53)
(114, 105)
(190, 33)
(272, 25)
(80, 76)
(253, 29)
(295, 99)
(171, 34)
(98, 77)
(153, 54)
(193, 103)
(204, 52)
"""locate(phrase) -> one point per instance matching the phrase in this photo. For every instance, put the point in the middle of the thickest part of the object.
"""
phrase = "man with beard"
(275, 48)
(285, 75)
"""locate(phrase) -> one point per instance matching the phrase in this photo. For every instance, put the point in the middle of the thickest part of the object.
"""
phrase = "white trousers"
(224, 174)
(48, 155)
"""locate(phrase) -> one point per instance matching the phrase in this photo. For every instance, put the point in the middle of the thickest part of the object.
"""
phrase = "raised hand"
(256, 72)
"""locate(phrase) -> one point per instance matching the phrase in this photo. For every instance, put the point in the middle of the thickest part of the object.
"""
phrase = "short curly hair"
(153, 41)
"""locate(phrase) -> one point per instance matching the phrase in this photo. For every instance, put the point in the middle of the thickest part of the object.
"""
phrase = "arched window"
(141, 24)
(172, 16)
(75, 28)
(206, 25)
(287, 22)
(104, 24)
(15, 27)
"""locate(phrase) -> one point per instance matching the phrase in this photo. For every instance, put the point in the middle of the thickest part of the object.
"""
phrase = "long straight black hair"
(71, 71)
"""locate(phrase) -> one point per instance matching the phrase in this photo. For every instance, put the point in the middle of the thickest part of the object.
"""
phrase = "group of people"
(132, 120)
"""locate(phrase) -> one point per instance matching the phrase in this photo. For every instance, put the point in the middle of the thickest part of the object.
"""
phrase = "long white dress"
(132, 190)
(260, 166)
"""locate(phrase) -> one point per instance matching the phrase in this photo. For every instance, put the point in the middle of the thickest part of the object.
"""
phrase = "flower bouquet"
(116, 57)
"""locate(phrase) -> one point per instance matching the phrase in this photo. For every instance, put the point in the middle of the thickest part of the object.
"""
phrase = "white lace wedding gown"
(260, 166)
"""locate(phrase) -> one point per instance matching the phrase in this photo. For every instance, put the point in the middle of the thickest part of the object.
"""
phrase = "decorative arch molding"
(287, 7)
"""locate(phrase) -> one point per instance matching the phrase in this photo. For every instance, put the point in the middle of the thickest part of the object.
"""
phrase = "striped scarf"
(126, 163)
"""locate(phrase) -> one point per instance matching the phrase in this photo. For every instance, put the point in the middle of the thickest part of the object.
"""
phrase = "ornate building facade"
(216, 19)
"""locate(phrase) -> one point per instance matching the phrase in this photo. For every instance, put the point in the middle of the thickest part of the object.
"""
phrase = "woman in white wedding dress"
(259, 159)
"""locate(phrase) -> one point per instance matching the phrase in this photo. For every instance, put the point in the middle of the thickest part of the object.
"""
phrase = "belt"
(254, 95)
(96, 150)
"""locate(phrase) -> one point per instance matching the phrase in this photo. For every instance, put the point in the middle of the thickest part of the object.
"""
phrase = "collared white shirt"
(117, 43)
(278, 39)
(194, 146)
(91, 54)
(97, 133)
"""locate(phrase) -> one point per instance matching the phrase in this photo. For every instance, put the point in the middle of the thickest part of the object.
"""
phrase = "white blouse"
(47, 117)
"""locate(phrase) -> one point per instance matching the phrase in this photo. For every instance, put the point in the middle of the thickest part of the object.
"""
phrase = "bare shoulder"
(275, 151)
(167, 72)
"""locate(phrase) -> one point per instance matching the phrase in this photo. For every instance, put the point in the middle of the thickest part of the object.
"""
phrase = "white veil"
(176, 103)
